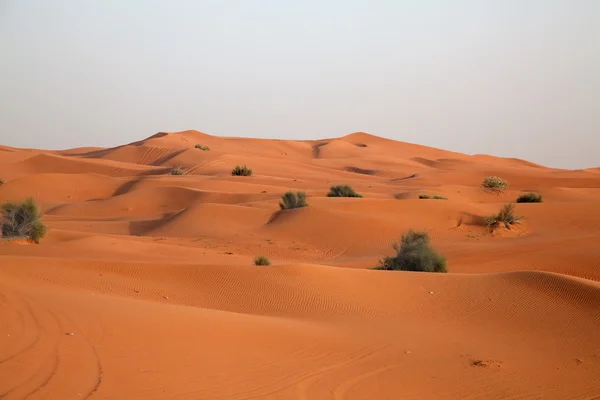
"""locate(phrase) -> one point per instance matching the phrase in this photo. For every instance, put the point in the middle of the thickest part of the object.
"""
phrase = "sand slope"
(145, 287)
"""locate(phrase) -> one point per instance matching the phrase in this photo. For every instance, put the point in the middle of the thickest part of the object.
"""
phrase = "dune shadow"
(274, 217)
(316, 149)
(403, 196)
(363, 171)
(426, 161)
(279, 214)
(413, 176)
(52, 210)
(94, 153)
(470, 219)
(126, 187)
(141, 228)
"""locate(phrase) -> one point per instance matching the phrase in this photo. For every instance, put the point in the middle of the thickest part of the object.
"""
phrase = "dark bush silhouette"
(1, 182)
(414, 253)
(530, 198)
(241, 171)
(201, 147)
(178, 171)
(342, 191)
(262, 260)
(436, 197)
(291, 200)
(506, 216)
(23, 220)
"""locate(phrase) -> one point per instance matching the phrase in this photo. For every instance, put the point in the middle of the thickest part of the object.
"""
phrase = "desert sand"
(145, 287)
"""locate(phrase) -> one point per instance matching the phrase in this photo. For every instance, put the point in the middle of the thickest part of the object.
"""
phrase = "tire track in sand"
(60, 362)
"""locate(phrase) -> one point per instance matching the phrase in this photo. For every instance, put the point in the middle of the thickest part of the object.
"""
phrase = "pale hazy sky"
(517, 78)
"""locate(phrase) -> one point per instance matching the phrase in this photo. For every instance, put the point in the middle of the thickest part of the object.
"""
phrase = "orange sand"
(145, 286)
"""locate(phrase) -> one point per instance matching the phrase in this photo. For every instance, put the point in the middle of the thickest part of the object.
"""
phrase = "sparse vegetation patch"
(178, 171)
(506, 216)
(530, 198)
(436, 197)
(1, 181)
(291, 200)
(241, 171)
(487, 364)
(414, 253)
(23, 220)
(342, 191)
(262, 260)
(494, 183)
(201, 147)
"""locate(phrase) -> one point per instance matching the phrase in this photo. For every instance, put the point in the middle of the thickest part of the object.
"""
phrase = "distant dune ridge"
(145, 284)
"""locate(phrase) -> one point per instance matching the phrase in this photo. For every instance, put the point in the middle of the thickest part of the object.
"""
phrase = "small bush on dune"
(262, 260)
(506, 216)
(241, 171)
(414, 253)
(436, 197)
(201, 147)
(494, 183)
(178, 171)
(1, 181)
(291, 200)
(23, 220)
(530, 198)
(342, 191)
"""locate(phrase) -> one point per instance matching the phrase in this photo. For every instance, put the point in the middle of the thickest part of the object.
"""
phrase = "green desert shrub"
(178, 171)
(436, 197)
(23, 220)
(414, 253)
(291, 200)
(530, 198)
(494, 183)
(241, 171)
(505, 216)
(201, 147)
(262, 260)
(342, 191)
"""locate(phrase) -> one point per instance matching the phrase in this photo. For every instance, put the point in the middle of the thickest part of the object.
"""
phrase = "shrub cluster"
(262, 260)
(291, 200)
(342, 191)
(436, 197)
(23, 220)
(201, 147)
(494, 183)
(241, 171)
(178, 171)
(505, 216)
(414, 253)
(530, 198)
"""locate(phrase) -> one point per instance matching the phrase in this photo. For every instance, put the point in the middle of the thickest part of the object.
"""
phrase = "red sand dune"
(145, 288)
